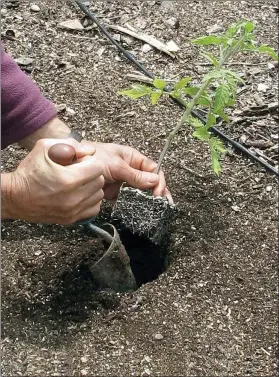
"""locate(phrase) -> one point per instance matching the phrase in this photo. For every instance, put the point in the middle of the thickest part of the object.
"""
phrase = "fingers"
(86, 170)
(90, 207)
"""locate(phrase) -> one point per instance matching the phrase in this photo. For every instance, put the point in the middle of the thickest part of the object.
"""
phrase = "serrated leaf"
(175, 94)
(204, 101)
(155, 96)
(216, 149)
(217, 144)
(231, 102)
(211, 58)
(137, 91)
(216, 166)
(201, 133)
(268, 50)
(223, 115)
(213, 75)
(182, 83)
(228, 72)
(222, 95)
(195, 122)
(159, 84)
(208, 40)
(191, 90)
(211, 120)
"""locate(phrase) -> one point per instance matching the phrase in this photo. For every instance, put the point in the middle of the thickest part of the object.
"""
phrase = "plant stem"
(183, 119)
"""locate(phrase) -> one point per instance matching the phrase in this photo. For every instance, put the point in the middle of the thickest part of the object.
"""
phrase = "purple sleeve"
(23, 107)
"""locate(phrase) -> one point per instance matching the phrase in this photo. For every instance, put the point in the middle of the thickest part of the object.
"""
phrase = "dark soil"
(213, 311)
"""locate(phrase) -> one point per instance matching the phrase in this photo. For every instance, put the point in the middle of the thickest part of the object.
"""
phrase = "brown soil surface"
(213, 312)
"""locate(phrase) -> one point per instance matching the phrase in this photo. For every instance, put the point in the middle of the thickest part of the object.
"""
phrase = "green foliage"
(238, 37)
(137, 91)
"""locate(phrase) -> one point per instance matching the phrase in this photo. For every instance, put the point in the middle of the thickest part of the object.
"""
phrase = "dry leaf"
(71, 25)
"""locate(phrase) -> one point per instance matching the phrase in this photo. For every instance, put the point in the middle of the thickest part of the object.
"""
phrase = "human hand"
(126, 164)
(42, 191)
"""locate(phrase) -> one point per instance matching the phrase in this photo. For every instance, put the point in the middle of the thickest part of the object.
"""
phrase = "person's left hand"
(126, 164)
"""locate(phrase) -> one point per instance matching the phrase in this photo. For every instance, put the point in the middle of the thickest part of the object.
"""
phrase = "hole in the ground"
(147, 260)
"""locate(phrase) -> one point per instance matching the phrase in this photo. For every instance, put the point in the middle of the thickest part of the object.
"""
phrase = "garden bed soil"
(213, 309)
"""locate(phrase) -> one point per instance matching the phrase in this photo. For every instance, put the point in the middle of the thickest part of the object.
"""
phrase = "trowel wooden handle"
(62, 154)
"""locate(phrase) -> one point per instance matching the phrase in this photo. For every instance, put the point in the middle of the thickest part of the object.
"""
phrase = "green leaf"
(155, 96)
(222, 95)
(248, 26)
(216, 149)
(204, 101)
(201, 131)
(228, 73)
(216, 166)
(231, 102)
(159, 84)
(268, 50)
(223, 115)
(191, 90)
(208, 40)
(182, 83)
(215, 74)
(137, 91)
(211, 120)
(211, 58)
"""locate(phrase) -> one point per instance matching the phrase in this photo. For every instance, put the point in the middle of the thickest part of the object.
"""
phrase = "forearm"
(54, 129)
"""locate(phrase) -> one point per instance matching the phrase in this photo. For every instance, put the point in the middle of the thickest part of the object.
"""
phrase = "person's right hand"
(42, 191)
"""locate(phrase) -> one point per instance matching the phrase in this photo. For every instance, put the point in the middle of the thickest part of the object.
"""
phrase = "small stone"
(146, 48)
(270, 66)
(146, 372)
(167, 4)
(117, 37)
(35, 8)
(172, 46)
(83, 372)
(243, 139)
(268, 188)
(38, 252)
(83, 359)
(86, 3)
(173, 22)
(4, 11)
(60, 107)
(158, 337)
(215, 29)
(147, 359)
(235, 208)
(70, 111)
(24, 61)
(262, 87)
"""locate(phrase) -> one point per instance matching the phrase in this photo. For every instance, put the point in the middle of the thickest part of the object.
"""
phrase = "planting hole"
(147, 260)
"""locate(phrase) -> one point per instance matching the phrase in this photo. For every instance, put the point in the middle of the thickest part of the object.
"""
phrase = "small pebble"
(83, 372)
(146, 47)
(4, 12)
(83, 359)
(35, 8)
(262, 87)
(236, 208)
(158, 337)
(268, 188)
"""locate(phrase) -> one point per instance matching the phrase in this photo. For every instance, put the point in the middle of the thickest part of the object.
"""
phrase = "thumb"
(139, 179)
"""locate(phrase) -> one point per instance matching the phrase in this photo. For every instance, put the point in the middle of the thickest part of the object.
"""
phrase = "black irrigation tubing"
(215, 130)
